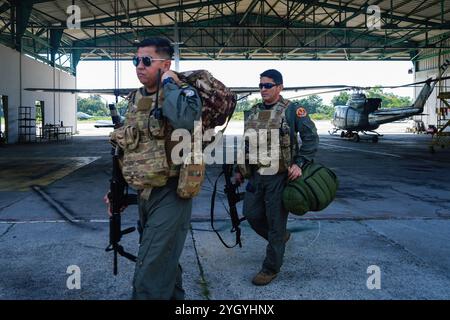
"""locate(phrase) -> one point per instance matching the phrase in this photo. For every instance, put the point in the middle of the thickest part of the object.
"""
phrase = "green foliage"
(389, 100)
(316, 108)
(93, 119)
(311, 103)
(94, 106)
(341, 99)
(321, 116)
(325, 110)
(245, 104)
(238, 115)
(121, 107)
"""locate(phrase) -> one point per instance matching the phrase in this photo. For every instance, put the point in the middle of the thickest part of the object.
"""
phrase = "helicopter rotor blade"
(241, 90)
(322, 92)
(415, 83)
(113, 92)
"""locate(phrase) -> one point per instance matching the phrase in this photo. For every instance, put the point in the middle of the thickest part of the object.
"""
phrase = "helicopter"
(364, 115)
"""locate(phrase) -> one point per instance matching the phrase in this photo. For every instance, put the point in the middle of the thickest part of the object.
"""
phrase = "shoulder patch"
(188, 92)
(301, 112)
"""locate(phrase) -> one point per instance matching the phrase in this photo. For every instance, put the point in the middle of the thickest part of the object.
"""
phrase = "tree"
(389, 100)
(325, 110)
(122, 106)
(94, 105)
(311, 103)
(341, 99)
(245, 104)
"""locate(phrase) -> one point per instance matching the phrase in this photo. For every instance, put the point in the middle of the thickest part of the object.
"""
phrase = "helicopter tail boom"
(388, 115)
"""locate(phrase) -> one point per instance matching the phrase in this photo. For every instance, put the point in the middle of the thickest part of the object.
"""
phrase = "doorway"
(40, 120)
(3, 119)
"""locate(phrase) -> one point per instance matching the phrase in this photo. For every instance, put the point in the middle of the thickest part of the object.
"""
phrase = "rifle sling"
(235, 227)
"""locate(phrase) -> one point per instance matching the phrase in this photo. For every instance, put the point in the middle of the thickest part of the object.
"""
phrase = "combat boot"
(263, 278)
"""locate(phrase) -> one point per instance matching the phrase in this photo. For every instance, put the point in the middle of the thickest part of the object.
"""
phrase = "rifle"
(233, 198)
(118, 198)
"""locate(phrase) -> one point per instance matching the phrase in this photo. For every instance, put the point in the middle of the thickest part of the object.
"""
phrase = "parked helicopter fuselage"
(355, 115)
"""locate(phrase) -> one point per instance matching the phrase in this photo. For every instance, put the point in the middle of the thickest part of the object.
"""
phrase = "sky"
(93, 74)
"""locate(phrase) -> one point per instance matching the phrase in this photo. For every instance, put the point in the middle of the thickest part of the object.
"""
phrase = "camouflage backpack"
(218, 101)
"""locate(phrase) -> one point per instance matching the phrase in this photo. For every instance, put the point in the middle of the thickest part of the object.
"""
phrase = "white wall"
(58, 107)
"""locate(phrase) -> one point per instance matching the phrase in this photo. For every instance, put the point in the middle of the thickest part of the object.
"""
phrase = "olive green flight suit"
(263, 204)
(164, 216)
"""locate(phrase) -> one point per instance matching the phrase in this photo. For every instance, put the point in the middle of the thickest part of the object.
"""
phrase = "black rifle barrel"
(118, 199)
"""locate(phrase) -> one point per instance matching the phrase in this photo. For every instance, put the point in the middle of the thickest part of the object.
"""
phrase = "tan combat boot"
(263, 278)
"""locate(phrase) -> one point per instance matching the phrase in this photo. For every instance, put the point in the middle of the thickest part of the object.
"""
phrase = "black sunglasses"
(147, 61)
(267, 85)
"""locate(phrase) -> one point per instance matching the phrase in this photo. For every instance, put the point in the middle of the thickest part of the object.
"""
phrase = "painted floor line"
(60, 209)
(207, 220)
(364, 151)
(53, 221)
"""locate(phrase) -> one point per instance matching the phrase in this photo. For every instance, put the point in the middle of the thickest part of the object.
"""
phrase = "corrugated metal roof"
(246, 28)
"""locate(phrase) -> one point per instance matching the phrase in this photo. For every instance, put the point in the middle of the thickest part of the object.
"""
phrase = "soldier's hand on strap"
(294, 172)
(170, 74)
(238, 178)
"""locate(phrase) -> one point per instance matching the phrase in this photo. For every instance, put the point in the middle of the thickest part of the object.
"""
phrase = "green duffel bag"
(313, 191)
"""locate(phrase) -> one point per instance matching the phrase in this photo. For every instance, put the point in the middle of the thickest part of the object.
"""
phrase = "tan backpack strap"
(286, 103)
(226, 125)
(131, 95)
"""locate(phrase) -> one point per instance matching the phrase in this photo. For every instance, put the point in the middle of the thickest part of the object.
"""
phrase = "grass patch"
(238, 115)
(94, 119)
(320, 116)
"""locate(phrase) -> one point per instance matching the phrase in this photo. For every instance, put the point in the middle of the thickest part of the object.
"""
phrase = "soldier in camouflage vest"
(146, 166)
(263, 206)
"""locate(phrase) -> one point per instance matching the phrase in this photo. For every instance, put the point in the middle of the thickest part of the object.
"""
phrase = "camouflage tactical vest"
(143, 140)
(268, 120)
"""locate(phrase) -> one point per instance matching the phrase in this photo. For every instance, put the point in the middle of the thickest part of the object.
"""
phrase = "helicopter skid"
(372, 133)
(333, 131)
(355, 135)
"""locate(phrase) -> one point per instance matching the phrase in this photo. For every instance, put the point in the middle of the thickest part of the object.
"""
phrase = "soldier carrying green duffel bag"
(313, 191)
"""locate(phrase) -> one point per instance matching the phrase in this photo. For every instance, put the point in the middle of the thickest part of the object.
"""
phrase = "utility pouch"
(190, 179)
(156, 126)
(285, 146)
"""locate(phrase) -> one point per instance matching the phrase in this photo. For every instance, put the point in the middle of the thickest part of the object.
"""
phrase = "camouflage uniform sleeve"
(181, 106)
(302, 124)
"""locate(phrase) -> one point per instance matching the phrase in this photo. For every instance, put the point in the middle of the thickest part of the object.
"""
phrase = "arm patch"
(301, 112)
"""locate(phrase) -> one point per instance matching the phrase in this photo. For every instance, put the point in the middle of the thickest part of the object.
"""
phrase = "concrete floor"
(392, 211)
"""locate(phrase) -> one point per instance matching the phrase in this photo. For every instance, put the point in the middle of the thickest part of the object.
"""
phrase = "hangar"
(391, 215)
(41, 42)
